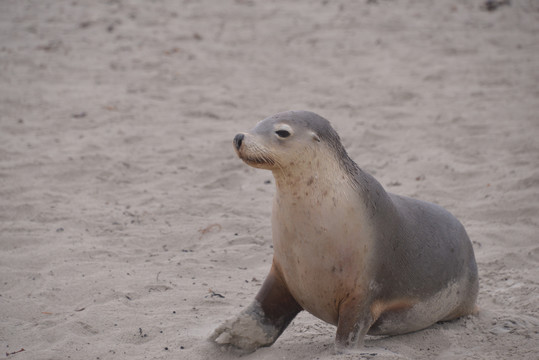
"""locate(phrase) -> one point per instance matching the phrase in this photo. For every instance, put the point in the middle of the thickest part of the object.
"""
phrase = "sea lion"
(345, 250)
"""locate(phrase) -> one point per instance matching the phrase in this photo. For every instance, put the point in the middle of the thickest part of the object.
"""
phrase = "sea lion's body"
(345, 250)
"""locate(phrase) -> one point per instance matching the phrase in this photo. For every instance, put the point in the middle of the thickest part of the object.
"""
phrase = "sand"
(130, 230)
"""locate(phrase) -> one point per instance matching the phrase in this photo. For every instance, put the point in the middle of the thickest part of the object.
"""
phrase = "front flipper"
(354, 322)
(264, 320)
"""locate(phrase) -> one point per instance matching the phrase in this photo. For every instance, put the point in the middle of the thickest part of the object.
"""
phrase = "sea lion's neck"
(312, 180)
(332, 176)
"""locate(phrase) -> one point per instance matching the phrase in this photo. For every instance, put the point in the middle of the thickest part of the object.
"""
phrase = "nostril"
(238, 139)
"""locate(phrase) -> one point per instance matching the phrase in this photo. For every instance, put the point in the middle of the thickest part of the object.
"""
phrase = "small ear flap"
(315, 137)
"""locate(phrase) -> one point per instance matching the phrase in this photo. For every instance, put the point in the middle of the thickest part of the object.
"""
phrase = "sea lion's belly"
(322, 252)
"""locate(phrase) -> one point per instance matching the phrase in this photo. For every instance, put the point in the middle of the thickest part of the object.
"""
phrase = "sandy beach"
(129, 229)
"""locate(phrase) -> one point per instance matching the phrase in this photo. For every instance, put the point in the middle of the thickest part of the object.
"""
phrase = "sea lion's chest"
(322, 242)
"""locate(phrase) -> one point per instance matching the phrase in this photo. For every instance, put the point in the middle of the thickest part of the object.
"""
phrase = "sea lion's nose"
(238, 139)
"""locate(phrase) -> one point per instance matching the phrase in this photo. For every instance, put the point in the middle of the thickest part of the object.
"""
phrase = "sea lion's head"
(287, 139)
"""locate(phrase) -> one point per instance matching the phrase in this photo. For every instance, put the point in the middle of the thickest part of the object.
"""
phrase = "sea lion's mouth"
(252, 153)
(258, 160)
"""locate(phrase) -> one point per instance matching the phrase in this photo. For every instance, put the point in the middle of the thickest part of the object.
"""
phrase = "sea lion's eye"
(282, 133)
